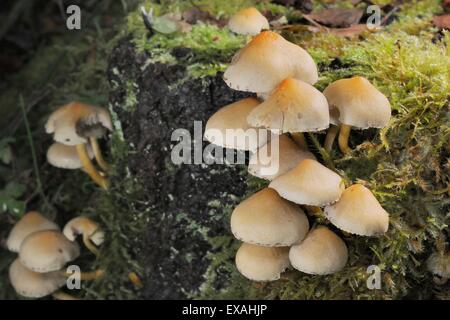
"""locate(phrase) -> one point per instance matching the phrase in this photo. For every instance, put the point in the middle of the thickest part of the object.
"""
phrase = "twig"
(33, 153)
(324, 153)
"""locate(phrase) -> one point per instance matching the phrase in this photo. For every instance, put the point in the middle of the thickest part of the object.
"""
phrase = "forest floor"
(406, 164)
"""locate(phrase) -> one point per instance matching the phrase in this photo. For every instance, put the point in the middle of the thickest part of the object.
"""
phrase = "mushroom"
(66, 157)
(356, 103)
(270, 161)
(439, 265)
(228, 127)
(266, 219)
(75, 124)
(293, 106)
(32, 284)
(248, 21)
(259, 263)
(265, 61)
(89, 229)
(47, 251)
(358, 212)
(321, 252)
(31, 222)
(309, 183)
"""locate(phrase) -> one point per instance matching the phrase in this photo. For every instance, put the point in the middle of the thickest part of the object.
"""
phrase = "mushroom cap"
(265, 61)
(356, 102)
(358, 212)
(259, 263)
(46, 251)
(293, 106)
(248, 21)
(266, 219)
(32, 284)
(439, 264)
(271, 161)
(321, 252)
(30, 223)
(72, 123)
(83, 225)
(228, 127)
(66, 157)
(309, 183)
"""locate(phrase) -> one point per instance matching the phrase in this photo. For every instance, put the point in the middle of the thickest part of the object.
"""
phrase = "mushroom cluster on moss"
(76, 128)
(43, 252)
(272, 225)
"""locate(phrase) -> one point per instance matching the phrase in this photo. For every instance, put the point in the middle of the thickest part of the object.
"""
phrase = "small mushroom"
(356, 103)
(47, 251)
(265, 61)
(228, 127)
(293, 106)
(259, 263)
(32, 284)
(66, 157)
(30, 223)
(76, 124)
(358, 212)
(266, 219)
(439, 265)
(271, 162)
(248, 21)
(309, 183)
(89, 229)
(321, 252)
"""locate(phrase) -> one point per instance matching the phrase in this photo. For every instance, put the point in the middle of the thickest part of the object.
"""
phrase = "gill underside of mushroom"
(87, 276)
(89, 245)
(98, 155)
(331, 136)
(344, 133)
(89, 167)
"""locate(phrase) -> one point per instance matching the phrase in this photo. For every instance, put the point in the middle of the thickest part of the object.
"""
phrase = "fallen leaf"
(337, 17)
(304, 6)
(442, 22)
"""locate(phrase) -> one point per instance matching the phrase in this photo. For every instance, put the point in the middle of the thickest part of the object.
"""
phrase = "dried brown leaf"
(337, 17)
(442, 22)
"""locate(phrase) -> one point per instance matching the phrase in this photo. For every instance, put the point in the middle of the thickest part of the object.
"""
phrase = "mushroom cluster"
(43, 252)
(76, 128)
(273, 227)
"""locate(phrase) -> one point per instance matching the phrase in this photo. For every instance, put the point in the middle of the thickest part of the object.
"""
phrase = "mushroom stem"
(89, 167)
(88, 276)
(98, 155)
(299, 138)
(314, 210)
(344, 133)
(89, 245)
(331, 136)
(61, 295)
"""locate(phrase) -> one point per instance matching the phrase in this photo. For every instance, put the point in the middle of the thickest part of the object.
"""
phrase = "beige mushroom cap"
(32, 284)
(66, 157)
(248, 21)
(68, 121)
(356, 102)
(322, 252)
(309, 183)
(46, 251)
(262, 263)
(83, 225)
(293, 106)
(31, 222)
(265, 61)
(358, 212)
(228, 127)
(271, 161)
(439, 264)
(266, 219)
